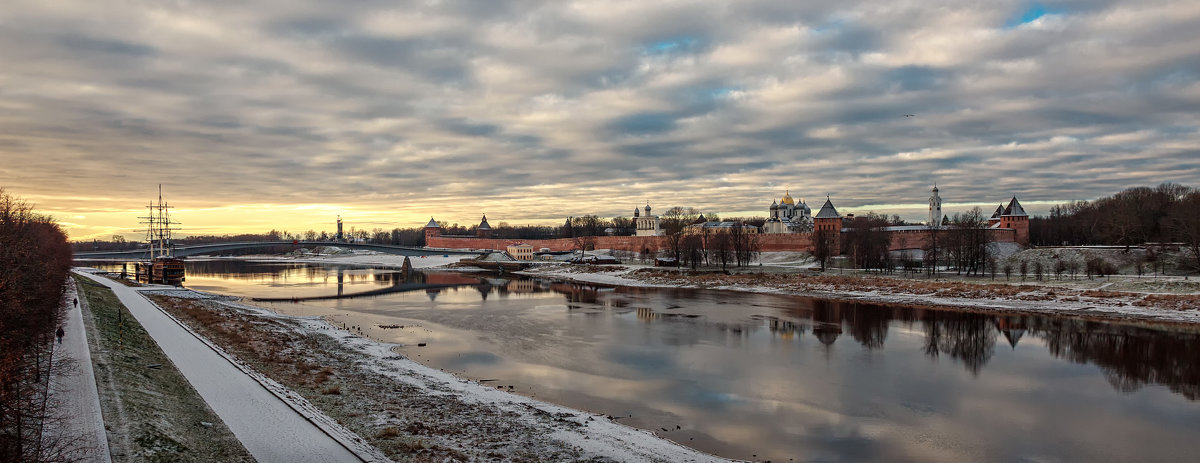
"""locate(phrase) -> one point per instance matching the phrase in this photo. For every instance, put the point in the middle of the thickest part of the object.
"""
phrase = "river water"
(771, 377)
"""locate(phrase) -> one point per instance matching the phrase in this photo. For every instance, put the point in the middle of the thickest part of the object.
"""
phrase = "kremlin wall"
(901, 240)
(1007, 225)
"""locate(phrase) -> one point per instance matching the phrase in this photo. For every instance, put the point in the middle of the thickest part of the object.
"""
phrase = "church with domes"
(789, 216)
(647, 225)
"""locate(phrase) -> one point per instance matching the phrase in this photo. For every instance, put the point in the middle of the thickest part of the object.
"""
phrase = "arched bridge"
(198, 249)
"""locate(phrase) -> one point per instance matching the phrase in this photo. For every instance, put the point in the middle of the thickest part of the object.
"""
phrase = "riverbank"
(1170, 300)
(152, 412)
(1121, 297)
(409, 411)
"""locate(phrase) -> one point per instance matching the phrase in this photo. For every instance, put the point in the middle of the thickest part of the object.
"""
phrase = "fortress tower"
(483, 230)
(1014, 217)
(432, 230)
(828, 219)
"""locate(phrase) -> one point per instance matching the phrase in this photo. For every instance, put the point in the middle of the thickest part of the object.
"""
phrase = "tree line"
(708, 247)
(1167, 213)
(35, 261)
(865, 243)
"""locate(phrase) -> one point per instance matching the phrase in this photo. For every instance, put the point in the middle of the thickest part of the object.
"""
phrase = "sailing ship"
(163, 267)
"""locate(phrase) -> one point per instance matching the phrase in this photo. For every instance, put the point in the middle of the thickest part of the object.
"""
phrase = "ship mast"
(158, 227)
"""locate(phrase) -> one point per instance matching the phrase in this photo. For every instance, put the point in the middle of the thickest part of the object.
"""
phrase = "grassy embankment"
(150, 410)
(405, 422)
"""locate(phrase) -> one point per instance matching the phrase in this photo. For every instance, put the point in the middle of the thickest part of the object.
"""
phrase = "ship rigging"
(163, 267)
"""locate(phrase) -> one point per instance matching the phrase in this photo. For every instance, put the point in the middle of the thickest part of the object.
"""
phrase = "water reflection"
(779, 376)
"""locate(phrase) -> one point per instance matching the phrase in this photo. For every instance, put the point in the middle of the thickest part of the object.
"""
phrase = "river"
(775, 377)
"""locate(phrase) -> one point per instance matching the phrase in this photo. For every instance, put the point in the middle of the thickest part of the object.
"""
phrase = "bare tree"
(1184, 220)
(933, 249)
(584, 243)
(824, 246)
(35, 260)
(867, 242)
(692, 245)
(967, 242)
(720, 248)
(675, 218)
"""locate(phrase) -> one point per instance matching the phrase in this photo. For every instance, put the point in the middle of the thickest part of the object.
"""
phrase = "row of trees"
(1166, 213)
(35, 260)
(962, 246)
(711, 248)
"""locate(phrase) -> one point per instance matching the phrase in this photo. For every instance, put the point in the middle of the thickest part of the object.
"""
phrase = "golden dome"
(787, 199)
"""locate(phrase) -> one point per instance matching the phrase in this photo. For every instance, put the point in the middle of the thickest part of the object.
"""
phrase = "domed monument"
(789, 216)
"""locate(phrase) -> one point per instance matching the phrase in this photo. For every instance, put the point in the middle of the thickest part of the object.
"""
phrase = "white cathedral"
(789, 216)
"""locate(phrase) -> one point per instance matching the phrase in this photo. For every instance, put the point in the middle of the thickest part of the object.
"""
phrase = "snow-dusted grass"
(150, 410)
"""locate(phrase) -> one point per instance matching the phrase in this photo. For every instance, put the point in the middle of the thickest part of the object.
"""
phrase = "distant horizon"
(915, 213)
(258, 115)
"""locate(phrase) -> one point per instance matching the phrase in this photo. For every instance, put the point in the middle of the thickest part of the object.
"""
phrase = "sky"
(259, 115)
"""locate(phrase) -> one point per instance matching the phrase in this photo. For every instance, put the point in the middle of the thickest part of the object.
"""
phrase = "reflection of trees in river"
(1130, 356)
(869, 327)
(965, 337)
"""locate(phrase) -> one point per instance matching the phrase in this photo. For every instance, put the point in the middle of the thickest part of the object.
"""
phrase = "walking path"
(268, 427)
(76, 391)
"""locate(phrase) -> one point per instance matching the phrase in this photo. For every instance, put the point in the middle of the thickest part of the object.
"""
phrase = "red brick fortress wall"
(624, 243)
(802, 242)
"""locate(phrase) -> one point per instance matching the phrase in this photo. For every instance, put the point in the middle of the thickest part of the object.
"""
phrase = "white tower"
(935, 208)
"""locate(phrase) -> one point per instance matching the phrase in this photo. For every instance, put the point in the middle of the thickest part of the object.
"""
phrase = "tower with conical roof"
(995, 218)
(1014, 217)
(828, 220)
(483, 230)
(432, 230)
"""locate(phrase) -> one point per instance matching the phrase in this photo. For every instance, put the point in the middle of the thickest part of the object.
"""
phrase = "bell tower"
(935, 208)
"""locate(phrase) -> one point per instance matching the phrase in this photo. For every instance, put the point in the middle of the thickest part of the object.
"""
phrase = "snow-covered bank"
(982, 296)
(386, 394)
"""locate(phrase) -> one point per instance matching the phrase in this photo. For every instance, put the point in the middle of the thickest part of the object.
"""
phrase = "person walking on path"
(75, 301)
(60, 334)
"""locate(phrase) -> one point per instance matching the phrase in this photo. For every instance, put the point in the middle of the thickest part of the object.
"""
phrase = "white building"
(935, 209)
(647, 225)
(789, 216)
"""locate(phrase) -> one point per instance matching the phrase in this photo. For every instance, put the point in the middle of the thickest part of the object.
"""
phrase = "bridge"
(201, 249)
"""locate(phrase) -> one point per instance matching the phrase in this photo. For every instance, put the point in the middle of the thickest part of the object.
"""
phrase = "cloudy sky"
(282, 114)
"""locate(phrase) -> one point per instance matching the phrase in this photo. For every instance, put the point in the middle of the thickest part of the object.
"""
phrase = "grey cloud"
(463, 127)
(106, 46)
(643, 124)
(506, 96)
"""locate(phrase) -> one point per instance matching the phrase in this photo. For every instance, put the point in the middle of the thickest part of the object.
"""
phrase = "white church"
(647, 225)
(789, 216)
